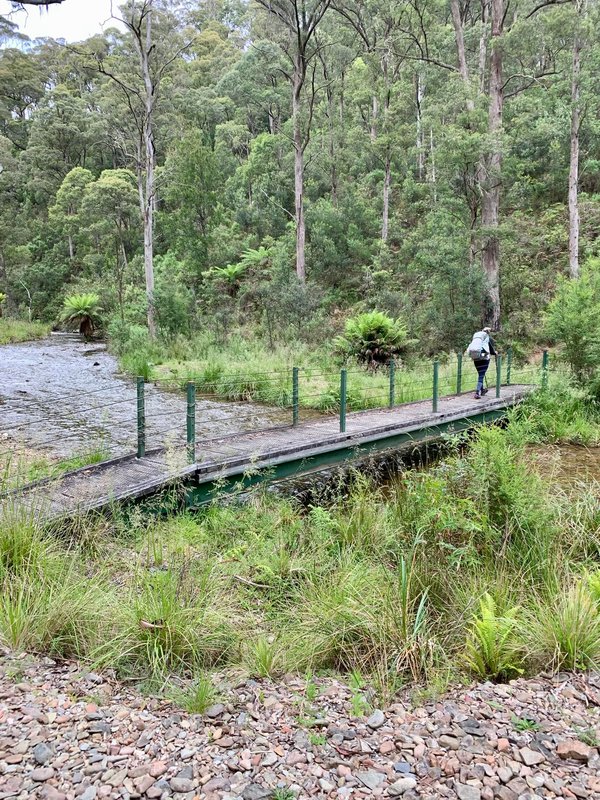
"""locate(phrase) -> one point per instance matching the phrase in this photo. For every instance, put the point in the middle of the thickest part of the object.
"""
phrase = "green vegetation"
(16, 330)
(83, 310)
(477, 567)
(373, 339)
(238, 209)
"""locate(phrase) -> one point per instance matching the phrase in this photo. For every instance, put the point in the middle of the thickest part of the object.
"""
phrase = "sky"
(72, 20)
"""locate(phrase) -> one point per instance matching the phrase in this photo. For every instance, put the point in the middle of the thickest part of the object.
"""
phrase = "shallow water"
(566, 463)
(64, 396)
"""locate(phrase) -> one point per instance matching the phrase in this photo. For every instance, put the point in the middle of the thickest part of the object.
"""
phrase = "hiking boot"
(476, 396)
(484, 391)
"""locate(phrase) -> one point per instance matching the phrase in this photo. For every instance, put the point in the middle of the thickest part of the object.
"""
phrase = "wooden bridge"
(244, 459)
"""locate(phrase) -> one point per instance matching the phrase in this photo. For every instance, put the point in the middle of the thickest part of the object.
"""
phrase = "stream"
(63, 397)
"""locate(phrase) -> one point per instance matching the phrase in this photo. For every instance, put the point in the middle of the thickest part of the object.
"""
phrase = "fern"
(492, 650)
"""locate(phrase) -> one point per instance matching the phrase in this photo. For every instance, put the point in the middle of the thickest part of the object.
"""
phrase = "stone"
(215, 711)
(575, 750)
(401, 786)
(531, 757)
(50, 793)
(42, 753)
(158, 768)
(387, 747)
(371, 778)
(449, 742)
(325, 785)
(403, 767)
(182, 785)
(88, 794)
(466, 792)
(255, 791)
(42, 774)
(376, 720)
(503, 745)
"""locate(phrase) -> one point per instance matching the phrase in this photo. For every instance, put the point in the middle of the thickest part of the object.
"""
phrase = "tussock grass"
(474, 567)
(13, 331)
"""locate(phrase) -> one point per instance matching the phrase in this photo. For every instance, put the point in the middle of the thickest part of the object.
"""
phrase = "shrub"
(373, 339)
(573, 320)
(84, 310)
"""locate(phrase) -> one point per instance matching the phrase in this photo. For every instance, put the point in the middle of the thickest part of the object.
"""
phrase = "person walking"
(481, 350)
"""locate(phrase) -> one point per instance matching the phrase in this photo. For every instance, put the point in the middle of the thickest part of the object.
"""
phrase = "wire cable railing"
(158, 419)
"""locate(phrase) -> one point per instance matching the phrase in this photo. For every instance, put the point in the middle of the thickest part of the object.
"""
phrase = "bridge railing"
(54, 437)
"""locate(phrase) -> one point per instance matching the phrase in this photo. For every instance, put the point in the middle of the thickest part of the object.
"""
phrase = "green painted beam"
(202, 489)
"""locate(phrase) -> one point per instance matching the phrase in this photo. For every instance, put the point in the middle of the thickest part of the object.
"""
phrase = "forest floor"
(67, 733)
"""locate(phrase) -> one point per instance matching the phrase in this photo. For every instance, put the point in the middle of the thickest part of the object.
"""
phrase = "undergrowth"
(475, 568)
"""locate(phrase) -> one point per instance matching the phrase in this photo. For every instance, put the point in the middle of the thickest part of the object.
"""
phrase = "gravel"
(66, 734)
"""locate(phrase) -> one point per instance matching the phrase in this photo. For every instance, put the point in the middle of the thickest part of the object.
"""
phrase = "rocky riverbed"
(66, 733)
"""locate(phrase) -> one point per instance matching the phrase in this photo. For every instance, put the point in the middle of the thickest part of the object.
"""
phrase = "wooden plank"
(129, 477)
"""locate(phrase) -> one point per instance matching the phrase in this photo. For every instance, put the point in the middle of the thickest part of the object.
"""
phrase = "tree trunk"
(459, 36)
(574, 164)
(493, 178)
(71, 250)
(483, 44)
(374, 116)
(420, 139)
(299, 180)
(387, 182)
(148, 210)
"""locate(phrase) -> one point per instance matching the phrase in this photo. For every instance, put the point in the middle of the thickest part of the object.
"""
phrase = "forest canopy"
(282, 162)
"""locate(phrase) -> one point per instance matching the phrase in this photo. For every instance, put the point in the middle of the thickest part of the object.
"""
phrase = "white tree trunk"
(387, 182)
(299, 182)
(148, 189)
(460, 51)
(420, 92)
(493, 178)
(574, 162)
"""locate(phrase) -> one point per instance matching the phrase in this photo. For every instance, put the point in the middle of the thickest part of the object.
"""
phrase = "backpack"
(477, 349)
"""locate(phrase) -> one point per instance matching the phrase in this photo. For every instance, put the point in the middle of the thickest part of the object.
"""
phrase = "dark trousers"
(481, 365)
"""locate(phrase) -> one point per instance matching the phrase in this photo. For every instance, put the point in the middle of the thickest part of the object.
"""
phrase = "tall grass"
(13, 331)
(476, 566)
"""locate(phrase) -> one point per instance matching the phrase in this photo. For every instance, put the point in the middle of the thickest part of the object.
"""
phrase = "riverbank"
(69, 732)
(246, 367)
(13, 331)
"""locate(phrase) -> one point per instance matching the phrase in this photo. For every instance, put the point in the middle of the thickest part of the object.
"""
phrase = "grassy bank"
(248, 368)
(17, 330)
(477, 567)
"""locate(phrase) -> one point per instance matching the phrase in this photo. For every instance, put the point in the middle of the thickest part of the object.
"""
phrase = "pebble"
(42, 774)
(575, 750)
(462, 746)
(401, 786)
(376, 720)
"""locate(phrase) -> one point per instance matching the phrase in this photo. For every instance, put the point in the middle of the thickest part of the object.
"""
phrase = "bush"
(373, 339)
(573, 320)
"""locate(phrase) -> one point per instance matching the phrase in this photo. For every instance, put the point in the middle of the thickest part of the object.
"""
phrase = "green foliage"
(565, 629)
(84, 310)
(16, 330)
(492, 646)
(573, 320)
(373, 339)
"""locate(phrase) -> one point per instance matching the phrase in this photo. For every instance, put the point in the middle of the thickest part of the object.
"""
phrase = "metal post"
(295, 397)
(545, 370)
(498, 374)
(141, 419)
(343, 379)
(436, 373)
(191, 422)
(459, 357)
(392, 383)
(508, 365)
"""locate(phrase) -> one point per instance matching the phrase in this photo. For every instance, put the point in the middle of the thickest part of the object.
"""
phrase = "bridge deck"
(125, 478)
